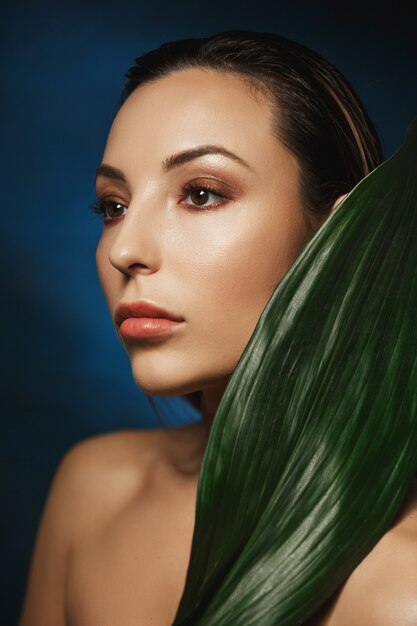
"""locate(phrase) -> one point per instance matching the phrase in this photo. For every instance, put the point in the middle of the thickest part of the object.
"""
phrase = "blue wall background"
(64, 374)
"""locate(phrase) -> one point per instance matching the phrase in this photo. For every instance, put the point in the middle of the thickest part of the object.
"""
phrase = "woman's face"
(214, 257)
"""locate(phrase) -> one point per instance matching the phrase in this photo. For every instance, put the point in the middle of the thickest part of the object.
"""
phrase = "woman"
(227, 164)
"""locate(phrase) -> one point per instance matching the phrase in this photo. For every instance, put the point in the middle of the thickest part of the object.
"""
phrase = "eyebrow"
(175, 160)
(108, 171)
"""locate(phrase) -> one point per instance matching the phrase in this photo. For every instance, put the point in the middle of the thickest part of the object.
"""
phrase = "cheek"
(236, 267)
(239, 264)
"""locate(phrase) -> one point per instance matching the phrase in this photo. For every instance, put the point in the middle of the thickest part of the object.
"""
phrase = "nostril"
(140, 267)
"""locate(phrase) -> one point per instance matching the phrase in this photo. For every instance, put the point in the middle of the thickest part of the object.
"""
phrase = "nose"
(136, 247)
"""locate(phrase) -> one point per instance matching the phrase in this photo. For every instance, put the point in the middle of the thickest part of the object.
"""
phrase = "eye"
(199, 195)
(110, 210)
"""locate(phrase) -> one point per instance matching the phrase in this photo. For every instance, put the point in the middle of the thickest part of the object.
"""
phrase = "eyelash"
(194, 185)
(101, 204)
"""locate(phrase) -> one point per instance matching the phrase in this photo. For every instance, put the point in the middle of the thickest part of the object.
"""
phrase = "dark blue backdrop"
(64, 374)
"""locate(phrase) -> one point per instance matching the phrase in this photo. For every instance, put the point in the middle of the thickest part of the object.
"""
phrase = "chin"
(164, 387)
(178, 375)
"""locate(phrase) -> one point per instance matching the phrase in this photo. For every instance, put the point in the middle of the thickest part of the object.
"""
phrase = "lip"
(144, 319)
(142, 308)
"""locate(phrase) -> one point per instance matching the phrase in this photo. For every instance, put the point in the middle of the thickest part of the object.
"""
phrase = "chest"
(132, 569)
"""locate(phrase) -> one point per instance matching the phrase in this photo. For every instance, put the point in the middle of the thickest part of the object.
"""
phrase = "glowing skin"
(215, 268)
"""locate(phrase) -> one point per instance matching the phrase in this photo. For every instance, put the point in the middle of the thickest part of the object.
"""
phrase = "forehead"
(191, 107)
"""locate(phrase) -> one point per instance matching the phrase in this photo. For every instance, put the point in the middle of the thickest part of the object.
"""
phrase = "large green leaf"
(314, 443)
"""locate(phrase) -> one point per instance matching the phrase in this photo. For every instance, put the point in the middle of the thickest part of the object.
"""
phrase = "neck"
(210, 400)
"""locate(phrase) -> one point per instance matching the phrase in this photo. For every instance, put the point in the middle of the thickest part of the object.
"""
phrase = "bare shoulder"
(382, 590)
(130, 451)
(104, 472)
(108, 467)
(93, 481)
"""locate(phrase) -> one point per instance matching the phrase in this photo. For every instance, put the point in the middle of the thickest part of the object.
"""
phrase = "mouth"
(137, 320)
